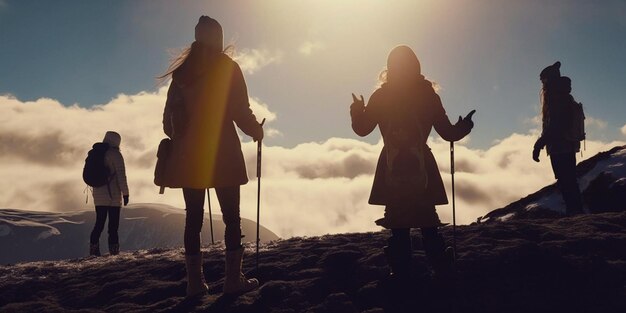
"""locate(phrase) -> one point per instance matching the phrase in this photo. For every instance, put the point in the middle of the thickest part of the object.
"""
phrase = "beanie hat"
(209, 32)
(551, 72)
(112, 138)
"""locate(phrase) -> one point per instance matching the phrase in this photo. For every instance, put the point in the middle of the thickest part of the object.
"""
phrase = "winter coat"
(212, 97)
(117, 186)
(556, 122)
(385, 102)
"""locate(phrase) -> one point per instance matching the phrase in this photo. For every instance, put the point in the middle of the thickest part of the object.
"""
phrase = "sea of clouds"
(312, 188)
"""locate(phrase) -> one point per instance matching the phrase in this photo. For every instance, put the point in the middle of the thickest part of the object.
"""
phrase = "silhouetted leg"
(435, 249)
(194, 208)
(101, 217)
(564, 168)
(114, 224)
(398, 252)
(229, 198)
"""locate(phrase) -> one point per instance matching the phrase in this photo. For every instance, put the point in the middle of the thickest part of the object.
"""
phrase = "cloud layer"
(311, 189)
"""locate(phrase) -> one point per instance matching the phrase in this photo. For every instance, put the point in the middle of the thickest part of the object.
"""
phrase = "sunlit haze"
(71, 70)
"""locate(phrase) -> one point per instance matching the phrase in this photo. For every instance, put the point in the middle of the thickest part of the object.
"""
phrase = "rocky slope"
(601, 179)
(573, 264)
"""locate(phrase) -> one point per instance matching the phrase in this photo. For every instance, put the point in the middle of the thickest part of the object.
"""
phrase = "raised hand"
(467, 119)
(469, 115)
(357, 105)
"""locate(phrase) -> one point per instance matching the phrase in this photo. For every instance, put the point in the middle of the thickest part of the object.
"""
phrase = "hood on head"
(112, 138)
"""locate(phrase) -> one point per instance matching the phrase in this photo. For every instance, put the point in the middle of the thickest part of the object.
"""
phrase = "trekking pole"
(453, 200)
(208, 195)
(258, 196)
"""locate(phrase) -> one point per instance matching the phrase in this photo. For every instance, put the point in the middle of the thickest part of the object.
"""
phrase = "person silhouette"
(407, 180)
(557, 117)
(206, 98)
(108, 197)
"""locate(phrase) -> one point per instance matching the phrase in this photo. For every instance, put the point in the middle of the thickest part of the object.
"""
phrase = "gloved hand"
(536, 152)
(125, 200)
(259, 135)
(357, 105)
(467, 120)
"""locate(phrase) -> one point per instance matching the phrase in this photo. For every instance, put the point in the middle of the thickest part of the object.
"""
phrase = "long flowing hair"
(178, 59)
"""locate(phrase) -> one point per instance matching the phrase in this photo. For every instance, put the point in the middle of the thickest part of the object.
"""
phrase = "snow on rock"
(601, 179)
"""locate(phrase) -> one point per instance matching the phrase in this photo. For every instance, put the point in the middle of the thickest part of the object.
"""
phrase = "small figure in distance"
(407, 180)
(562, 130)
(108, 196)
(207, 97)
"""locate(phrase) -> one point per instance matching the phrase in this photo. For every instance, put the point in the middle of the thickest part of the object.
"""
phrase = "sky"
(71, 70)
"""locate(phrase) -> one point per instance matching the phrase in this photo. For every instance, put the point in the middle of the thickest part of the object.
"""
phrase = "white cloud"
(311, 189)
(307, 48)
(261, 111)
(595, 123)
(624, 130)
(252, 60)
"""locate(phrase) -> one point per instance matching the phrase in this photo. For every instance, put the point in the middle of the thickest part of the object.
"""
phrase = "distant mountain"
(38, 236)
(601, 179)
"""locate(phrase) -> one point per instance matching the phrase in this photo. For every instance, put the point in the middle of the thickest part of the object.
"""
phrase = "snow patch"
(505, 217)
(48, 233)
(613, 165)
(552, 201)
(135, 218)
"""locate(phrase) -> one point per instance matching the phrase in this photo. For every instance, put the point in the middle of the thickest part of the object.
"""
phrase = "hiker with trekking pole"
(407, 180)
(206, 98)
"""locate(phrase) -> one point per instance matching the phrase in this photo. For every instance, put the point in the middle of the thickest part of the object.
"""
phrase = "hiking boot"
(443, 267)
(94, 249)
(235, 281)
(195, 277)
(114, 248)
(398, 253)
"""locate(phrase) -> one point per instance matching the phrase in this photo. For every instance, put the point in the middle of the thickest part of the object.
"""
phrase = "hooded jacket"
(118, 185)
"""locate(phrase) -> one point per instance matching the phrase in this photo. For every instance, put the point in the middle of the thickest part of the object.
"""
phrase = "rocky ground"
(572, 264)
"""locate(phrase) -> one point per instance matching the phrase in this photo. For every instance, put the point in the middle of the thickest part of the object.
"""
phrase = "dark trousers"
(431, 239)
(228, 198)
(400, 249)
(564, 168)
(114, 223)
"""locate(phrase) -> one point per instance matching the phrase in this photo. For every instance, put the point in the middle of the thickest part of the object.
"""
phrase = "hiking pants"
(228, 198)
(432, 241)
(401, 248)
(564, 168)
(114, 222)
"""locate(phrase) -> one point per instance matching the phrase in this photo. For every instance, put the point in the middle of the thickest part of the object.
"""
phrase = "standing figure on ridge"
(562, 130)
(206, 98)
(108, 196)
(407, 180)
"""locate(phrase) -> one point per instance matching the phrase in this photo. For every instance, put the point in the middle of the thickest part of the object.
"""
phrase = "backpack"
(96, 173)
(576, 130)
(406, 177)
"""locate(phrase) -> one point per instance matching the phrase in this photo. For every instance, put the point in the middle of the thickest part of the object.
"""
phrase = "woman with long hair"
(557, 109)
(206, 98)
(407, 181)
